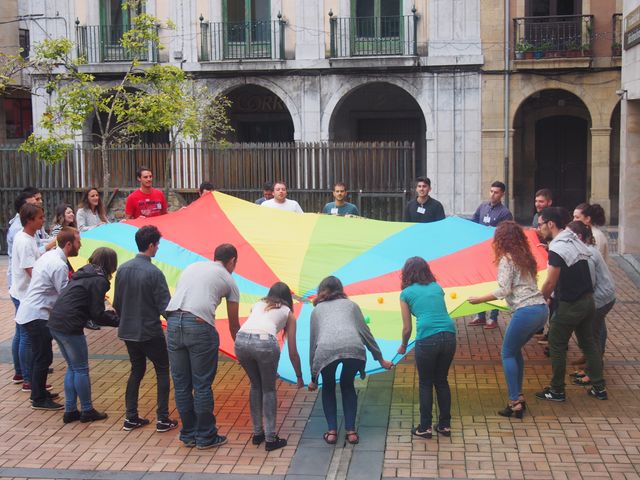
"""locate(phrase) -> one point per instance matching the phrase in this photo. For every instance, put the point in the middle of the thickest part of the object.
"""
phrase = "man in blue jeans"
(194, 341)
(141, 296)
(490, 214)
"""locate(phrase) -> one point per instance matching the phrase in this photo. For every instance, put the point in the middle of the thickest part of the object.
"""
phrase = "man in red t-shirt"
(146, 201)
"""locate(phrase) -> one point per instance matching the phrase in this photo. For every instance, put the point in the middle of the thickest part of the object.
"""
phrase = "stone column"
(629, 241)
(600, 152)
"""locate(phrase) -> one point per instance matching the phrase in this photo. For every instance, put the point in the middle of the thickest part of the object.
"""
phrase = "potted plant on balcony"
(548, 49)
(523, 48)
(574, 49)
(586, 50)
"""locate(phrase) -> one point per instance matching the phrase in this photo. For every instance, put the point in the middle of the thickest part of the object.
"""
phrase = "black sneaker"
(48, 404)
(91, 325)
(257, 439)
(548, 394)
(133, 423)
(216, 442)
(599, 393)
(91, 416)
(275, 444)
(69, 417)
(165, 425)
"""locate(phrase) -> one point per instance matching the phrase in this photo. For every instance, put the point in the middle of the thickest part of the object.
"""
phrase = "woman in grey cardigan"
(91, 211)
(339, 336)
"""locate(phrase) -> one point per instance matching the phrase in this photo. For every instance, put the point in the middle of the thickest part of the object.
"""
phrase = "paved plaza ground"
(582, 438)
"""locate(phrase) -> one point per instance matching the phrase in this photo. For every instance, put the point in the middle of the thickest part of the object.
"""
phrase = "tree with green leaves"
(10, 66)
(148, 98)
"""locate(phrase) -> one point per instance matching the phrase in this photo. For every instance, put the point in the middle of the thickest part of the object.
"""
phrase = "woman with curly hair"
(517, 272)
(423, 298)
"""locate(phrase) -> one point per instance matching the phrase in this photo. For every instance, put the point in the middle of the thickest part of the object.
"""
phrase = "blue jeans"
(259, 355)
(493, 315)
(77, 383)
(350, 367)
(525, 322)
(434, 355)
(193, 355)
(21, 349)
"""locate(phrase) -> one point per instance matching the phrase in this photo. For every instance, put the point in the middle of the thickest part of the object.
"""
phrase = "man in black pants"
(49, 276)
(141, 296)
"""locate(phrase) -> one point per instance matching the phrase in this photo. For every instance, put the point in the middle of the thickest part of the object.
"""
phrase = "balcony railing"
(242, 40)
(559, 36)
(373, 36)
(102, 43)
(616, 43)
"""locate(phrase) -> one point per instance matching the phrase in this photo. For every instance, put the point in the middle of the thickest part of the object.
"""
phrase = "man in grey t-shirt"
(193, 342)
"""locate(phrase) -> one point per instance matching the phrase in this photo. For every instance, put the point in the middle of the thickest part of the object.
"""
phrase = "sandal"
(444, 431)
(578, 374)
(328, 437)
(428, 433)
(352, 437)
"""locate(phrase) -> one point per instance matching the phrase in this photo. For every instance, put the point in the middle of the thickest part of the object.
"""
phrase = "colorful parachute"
(300, 250)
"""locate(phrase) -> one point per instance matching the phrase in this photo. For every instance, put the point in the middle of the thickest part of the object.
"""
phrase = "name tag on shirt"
(334, 211)
(421, 210)
(486, 219)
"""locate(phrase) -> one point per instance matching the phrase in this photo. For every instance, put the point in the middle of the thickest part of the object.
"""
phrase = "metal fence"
(378, 175)
(102, 43)
(554, 36)
(373, 36)
(242, 40)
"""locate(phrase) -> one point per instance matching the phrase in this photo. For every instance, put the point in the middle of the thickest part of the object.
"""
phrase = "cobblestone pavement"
(581, 438)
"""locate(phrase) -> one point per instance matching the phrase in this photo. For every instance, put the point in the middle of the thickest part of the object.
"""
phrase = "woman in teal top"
(423, 298)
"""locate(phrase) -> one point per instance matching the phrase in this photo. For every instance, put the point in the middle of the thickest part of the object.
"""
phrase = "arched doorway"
(258, 115)
(551, 150)
(614, 166)
(380, 112)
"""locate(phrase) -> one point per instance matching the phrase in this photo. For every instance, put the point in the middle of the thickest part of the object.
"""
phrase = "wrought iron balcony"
(616, 43)
(242, 40)
(373, 36)
(102, 43)
(558, 36)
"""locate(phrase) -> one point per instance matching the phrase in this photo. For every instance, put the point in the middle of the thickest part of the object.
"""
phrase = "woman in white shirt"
(258, 352)
(91, 211)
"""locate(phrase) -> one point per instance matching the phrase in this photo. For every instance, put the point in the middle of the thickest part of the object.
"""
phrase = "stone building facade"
(630, 149)
(555, 97)
(351, 70)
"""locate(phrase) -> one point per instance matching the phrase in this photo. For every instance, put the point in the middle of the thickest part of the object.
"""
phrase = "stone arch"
(90, 129)
(540, 159)
(345, 90)
(226, 87)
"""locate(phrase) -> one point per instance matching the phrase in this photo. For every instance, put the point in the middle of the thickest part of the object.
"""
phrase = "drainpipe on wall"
(507, 40)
